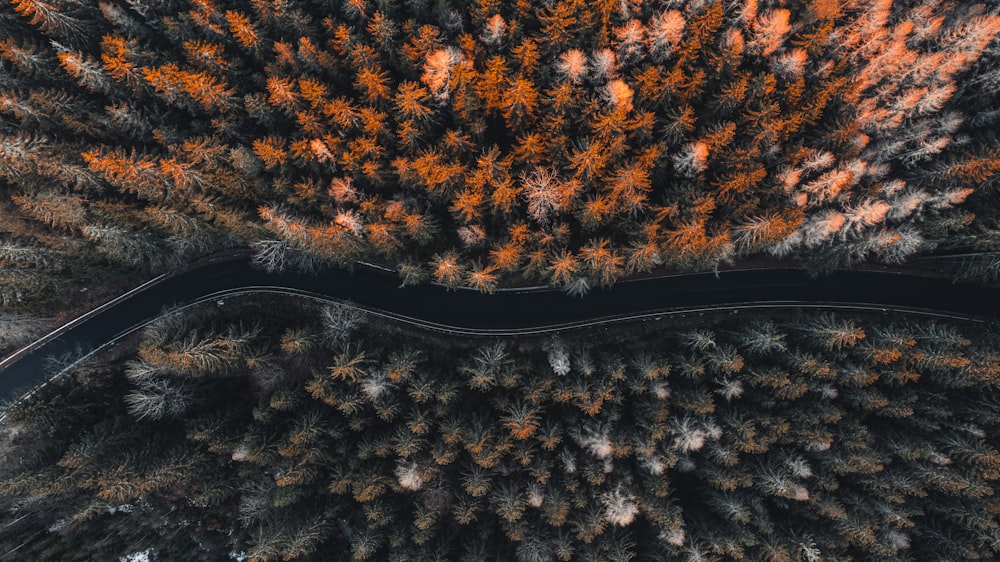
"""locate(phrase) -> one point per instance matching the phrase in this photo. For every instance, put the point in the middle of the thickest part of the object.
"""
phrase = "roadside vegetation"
(318, 434)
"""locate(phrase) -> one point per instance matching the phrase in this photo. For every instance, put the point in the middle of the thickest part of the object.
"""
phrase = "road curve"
(508, 312)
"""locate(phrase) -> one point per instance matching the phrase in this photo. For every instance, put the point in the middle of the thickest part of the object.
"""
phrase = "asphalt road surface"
(511, 312)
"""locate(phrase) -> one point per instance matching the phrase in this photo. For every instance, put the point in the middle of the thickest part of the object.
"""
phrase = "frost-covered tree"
(689, 435)
(620, 507)
(558, 356)
(596, 440)
(833, 332)
(277, 256)
(18, 329)
(158, 398)
(132, 248)
(409, 476)
(762, 336)
(692, 160)
(339, 321)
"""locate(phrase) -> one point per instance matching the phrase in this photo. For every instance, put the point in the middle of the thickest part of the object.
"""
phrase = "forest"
(487, 144)
(323, 432)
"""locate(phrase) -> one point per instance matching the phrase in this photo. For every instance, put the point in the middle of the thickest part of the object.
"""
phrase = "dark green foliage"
(828, 436)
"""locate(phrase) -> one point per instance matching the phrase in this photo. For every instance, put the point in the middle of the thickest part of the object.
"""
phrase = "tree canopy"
(318, 434)
(509, 137)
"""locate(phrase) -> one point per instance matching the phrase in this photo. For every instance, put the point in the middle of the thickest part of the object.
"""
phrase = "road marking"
(79, 320)
(219, 296)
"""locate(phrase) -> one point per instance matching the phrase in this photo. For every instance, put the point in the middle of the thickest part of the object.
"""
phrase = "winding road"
(506, 313)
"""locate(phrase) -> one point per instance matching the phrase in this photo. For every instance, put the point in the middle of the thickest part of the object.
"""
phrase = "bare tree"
(133, 248)
(13, 252)
(730, 388)
(700, 340)
(19, 285)
(778, 481)
(277, 256)
(256, 499)
(157, 399)
(16, 329)
(339, 321)
(541, 189)
(364, 544)
(140, 371)
(578, 287)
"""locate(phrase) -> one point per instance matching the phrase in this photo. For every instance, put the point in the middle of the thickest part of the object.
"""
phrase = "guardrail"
(55, 333)
(539, 328)
(483, 332)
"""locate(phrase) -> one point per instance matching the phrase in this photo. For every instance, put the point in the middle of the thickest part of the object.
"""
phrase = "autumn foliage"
(614, 137)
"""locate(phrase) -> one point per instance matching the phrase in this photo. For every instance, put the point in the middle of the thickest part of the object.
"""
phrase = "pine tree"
(48, 18)
(58, 211)
(833, 333)
(87, 72)
(447, 270)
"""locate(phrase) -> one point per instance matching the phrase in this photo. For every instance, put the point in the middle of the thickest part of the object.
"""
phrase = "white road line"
(435, 326)
(79, 320)
(377, 266)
